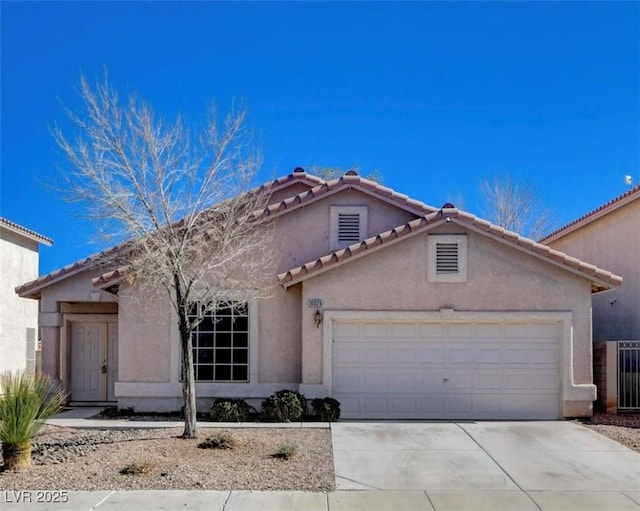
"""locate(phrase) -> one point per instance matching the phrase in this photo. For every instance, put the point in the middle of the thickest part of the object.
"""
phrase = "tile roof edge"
(33, 286)
(387, 238)
(593, 215)
(24, 231)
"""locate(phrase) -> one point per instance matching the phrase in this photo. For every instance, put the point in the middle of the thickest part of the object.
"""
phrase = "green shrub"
(219, 441)
(25, 403)
(284, 406)
(326, 409)
(285, 451)
(230, 410)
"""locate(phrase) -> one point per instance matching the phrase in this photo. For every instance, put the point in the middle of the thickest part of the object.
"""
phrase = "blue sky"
(435, 96)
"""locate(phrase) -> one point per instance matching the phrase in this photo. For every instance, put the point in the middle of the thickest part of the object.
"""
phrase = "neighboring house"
(609, 236)
(18, 316)
(395, 308)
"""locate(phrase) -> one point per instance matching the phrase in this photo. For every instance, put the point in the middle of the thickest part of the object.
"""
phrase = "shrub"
(285, 451)
(218, 441)
(139, 468)
(326, 409)
(230, 410)
(284, 406)
(24, 406)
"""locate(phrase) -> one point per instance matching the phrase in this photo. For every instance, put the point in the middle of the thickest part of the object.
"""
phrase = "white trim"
(334, 215)
(569, 391)
(461, 240)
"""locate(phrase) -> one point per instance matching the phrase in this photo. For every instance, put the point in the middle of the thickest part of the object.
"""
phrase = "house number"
(314, 303)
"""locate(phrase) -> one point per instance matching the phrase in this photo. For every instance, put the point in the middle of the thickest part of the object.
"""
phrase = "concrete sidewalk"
(427, 466)
(303, 501)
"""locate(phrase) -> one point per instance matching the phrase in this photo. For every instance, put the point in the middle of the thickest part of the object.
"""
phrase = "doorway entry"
(94, 360)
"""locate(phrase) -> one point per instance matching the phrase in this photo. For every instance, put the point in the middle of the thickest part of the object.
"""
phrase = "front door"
(94, 356)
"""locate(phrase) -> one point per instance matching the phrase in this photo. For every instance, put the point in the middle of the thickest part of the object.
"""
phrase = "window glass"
(221, 344)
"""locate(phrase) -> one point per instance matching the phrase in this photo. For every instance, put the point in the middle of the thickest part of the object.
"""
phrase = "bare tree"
(516, 206)
(180, 206)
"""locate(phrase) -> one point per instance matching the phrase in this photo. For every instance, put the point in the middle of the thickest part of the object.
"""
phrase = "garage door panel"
(460, 355)
(402, 330)
(445, 370)
(375, 330)
(437, 330)
(374, 355)
(462, 330)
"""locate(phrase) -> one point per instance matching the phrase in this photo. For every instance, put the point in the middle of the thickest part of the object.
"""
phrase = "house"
(393, 307)
(18, 316)
(610, 236)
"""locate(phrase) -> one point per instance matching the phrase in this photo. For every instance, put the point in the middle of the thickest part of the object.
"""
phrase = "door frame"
(65, 341)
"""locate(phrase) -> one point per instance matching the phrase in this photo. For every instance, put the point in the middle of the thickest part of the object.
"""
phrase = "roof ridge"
(599, 209)
(348, 180)
(24, 230)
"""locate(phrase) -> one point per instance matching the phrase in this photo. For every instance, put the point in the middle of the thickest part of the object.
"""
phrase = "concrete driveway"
(485, 465)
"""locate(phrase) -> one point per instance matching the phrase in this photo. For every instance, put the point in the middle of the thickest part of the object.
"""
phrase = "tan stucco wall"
(75, 289)
(18, 264)
(145, 331)
(612, 242)
(498, 279)
(304, 234)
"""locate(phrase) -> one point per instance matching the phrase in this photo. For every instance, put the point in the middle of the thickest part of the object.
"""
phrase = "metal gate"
(628, 375)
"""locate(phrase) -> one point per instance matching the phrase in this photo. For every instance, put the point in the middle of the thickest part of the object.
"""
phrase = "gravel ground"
(621, 428)
(69, 459)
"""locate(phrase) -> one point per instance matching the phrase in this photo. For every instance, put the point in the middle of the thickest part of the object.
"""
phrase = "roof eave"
(593, 216)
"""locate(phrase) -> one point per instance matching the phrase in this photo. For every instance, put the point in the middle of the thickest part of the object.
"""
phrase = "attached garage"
(498, 366)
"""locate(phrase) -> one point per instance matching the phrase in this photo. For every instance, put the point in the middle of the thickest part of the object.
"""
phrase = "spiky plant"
(25, 403)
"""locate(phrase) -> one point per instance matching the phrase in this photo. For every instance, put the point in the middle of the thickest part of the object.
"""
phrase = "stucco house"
(19, 251)
(609, 236)
(395, 308)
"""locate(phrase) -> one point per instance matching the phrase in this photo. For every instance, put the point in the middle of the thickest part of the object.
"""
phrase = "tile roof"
(297, 176)
(12, 226)
(33, 287)
(600, 211)
(601, 279)
(30, 289)
(351, 180)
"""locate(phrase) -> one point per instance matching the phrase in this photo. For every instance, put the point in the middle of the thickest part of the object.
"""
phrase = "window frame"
(215, 347)
(461, 240)
(335, 212)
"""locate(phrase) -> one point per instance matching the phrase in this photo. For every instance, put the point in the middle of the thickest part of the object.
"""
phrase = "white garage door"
(425, 370)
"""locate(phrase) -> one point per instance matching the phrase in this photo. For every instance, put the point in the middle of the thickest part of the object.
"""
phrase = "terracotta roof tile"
(32, 287)
(348, 182)
(612, 205)
(5, 222)
(605, 279)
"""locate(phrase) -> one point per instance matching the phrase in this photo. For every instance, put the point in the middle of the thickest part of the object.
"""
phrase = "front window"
(221, 345)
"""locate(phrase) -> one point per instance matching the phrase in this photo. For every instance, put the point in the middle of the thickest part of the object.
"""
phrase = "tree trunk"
(17, 457)
(188, 376)
(188, 386)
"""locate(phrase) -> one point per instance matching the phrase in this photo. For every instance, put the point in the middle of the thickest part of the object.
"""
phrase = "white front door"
(94, 355)
(446, 370)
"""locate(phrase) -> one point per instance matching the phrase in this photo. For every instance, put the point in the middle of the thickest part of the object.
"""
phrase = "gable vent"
(447, 258)
(348, 227)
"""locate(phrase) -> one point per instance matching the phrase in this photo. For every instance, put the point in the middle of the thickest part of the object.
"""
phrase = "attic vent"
(348, 225)
(446, 258)
(348, 228)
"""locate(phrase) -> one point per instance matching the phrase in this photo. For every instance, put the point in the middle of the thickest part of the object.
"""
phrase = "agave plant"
(25, 403)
